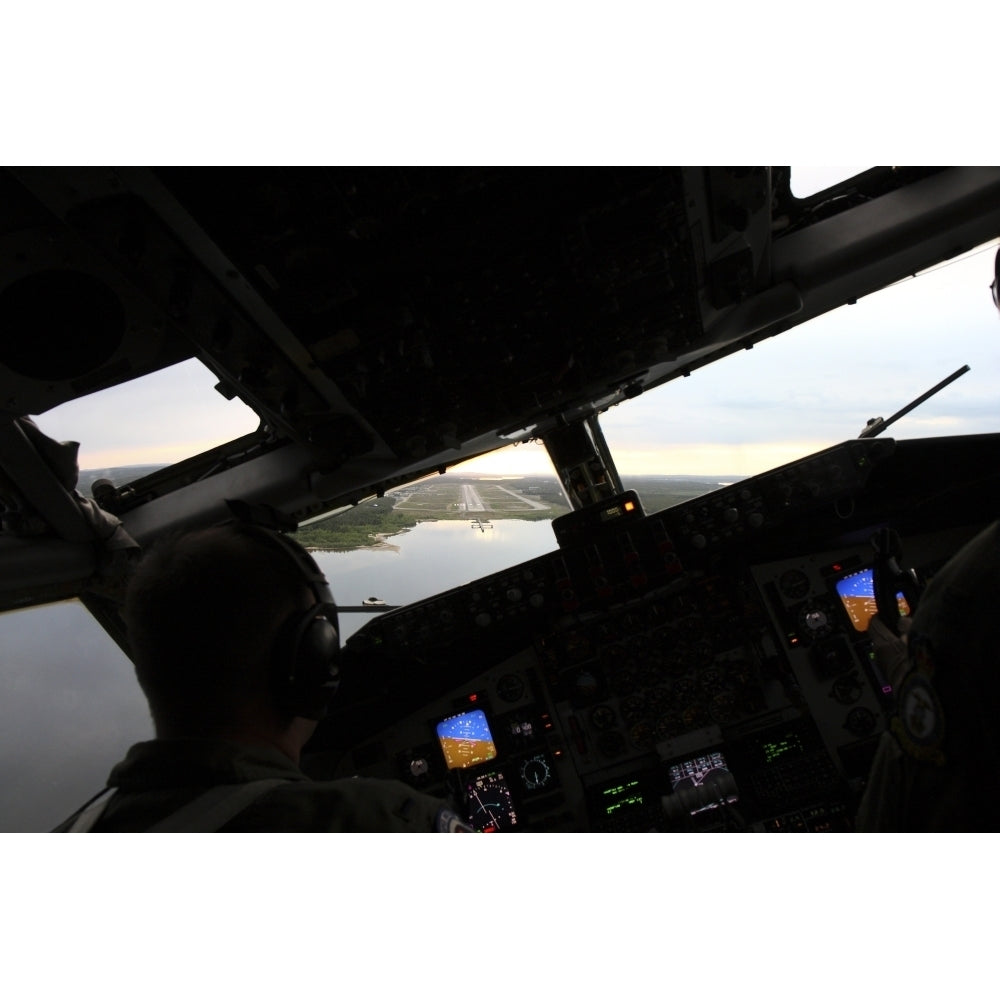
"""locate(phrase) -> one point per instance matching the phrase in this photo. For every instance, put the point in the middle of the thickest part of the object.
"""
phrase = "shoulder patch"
(918, 723)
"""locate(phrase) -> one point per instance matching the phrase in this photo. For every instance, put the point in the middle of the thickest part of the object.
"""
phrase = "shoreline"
(381, 544)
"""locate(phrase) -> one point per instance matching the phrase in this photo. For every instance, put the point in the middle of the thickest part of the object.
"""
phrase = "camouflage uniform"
(938, 768)
(159, 777)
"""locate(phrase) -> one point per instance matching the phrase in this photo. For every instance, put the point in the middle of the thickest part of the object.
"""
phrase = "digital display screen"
(708, 772)
(621, 796)
(857, 594)
(782, 747)
(490, 807)
(466, 739)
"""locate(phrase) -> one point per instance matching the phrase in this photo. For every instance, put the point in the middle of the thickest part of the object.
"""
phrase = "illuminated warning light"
(629, 505)
(473, 697)
(836, 567)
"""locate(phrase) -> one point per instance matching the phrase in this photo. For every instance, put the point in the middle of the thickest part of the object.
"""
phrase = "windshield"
(795, 394)
(820, 383)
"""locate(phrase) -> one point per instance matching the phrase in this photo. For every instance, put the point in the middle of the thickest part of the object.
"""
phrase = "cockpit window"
(156, 420)
(70, 704)
(806, 181)
(821, 383)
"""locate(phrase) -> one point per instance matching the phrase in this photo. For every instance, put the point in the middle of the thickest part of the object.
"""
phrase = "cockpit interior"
(700, 668)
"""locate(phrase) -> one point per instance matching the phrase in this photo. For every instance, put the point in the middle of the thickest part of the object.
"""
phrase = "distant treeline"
(659, 492)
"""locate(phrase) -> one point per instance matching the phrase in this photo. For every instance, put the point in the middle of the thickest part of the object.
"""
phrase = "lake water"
(69, 703)
(432, 557)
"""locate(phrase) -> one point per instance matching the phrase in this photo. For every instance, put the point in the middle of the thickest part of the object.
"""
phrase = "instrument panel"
(656, 673)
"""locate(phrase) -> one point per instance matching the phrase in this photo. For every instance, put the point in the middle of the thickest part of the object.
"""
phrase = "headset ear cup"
(317, 659)
(306, 656)
(305, 671)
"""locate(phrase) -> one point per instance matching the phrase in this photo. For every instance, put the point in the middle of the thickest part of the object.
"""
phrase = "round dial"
(633, 709)
(489, 803)
(816, 620)
(536, 773)
(641, 735)
(510, 687)
(860, 721)
(846, 689)
(625, 678)
(667, 727)
(586, 686)
(724, 708)
(603, 718)
(794, 584)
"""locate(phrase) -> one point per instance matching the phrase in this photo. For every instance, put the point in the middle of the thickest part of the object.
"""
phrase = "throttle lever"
(890, 579)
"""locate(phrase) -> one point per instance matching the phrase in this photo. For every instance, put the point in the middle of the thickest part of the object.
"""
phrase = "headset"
(305, 660)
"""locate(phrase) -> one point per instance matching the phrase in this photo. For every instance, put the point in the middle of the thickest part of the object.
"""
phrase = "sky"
(792, 395)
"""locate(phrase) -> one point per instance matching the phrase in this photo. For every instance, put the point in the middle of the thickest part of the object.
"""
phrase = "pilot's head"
(231, 626)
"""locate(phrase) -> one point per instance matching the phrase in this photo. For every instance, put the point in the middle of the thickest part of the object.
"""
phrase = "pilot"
(233, 635)
(937, 768)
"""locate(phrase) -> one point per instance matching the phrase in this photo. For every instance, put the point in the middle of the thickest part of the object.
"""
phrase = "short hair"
(202, 613)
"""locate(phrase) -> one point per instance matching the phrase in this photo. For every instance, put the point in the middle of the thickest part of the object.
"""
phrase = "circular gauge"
(794, 584)
(816, 621)
(536, 773)
(633, 709)
(611, 743)
(846, 689)
(510, 687)
(694, 717)
(603, 718)
(489, 802)
(724, 708)
(657, 700)
(685, 690)
(641, 735)
(667, 727)
(586, 686)
(860, 721)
